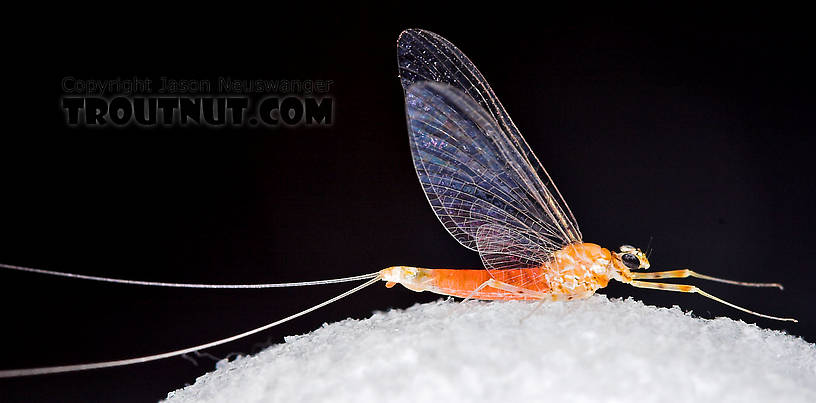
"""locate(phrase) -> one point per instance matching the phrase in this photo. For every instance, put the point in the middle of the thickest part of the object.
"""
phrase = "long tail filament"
(186, 285)
(12, 373)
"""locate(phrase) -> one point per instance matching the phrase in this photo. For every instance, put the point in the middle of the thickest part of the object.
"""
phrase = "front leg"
(683, 273)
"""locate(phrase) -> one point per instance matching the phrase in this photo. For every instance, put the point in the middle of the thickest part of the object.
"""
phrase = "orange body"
(575, 271)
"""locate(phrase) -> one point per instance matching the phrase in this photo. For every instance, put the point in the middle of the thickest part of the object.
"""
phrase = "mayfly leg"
(499, 285)
(688, 273)
(505, 287)
(693, 289)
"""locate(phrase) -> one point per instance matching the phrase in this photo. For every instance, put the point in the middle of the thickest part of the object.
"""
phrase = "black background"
(697, 133)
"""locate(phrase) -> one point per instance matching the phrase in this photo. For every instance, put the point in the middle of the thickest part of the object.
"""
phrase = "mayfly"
(490, 192)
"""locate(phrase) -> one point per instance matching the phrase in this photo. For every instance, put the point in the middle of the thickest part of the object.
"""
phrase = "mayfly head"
(633, 258)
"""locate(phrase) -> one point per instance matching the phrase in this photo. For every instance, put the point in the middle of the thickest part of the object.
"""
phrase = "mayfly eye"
(631, 261)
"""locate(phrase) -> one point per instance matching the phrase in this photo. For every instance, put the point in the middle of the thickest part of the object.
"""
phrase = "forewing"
(504, 248)
(469, 170)
(425, 56)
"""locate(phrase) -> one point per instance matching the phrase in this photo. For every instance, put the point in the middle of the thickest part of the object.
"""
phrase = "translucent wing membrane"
(469, 170)
(504, 248)
(425, 56)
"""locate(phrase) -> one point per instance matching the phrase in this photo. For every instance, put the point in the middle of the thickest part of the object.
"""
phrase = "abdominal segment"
(462, 282)
(575, 271)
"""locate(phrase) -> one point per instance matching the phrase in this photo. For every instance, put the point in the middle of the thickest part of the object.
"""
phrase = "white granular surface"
(594, 350)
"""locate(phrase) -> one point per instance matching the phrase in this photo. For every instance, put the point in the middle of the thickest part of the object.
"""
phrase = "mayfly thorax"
(489, 191)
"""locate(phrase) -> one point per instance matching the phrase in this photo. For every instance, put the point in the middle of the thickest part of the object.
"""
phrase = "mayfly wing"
(425, 56)
(503, 248)
(470, 174)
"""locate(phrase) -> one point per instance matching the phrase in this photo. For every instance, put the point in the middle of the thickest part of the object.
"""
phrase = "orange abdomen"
(575, 270)
(461, 283)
